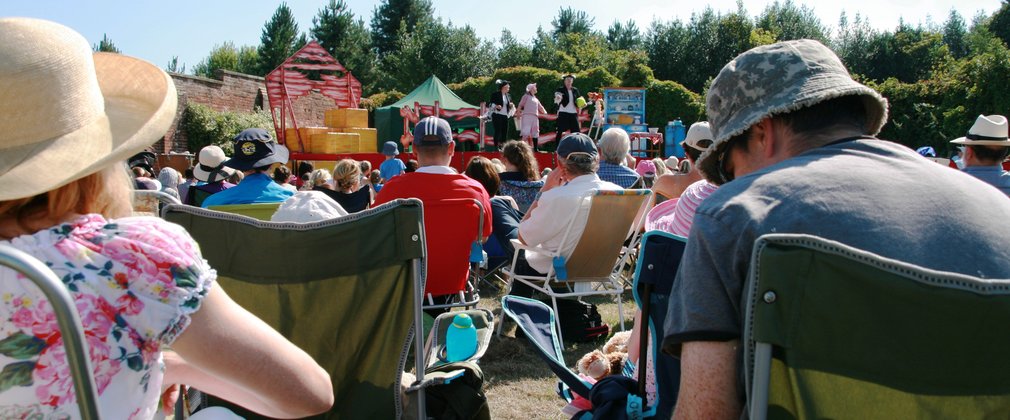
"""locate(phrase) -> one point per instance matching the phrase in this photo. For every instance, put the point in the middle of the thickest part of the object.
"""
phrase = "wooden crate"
(335, 143)
(369, 137)
(346, 118)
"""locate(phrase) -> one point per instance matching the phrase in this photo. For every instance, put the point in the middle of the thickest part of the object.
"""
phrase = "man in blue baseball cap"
(255, 153)
(561, 199)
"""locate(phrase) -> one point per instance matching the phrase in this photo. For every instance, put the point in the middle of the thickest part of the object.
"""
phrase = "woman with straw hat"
(139, 284)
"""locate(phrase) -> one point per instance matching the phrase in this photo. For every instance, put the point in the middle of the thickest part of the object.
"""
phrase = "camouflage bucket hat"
(777, 79)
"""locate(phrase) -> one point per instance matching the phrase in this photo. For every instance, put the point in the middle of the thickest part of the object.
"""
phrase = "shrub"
(666, 100)
(382, 99)
(205, 126)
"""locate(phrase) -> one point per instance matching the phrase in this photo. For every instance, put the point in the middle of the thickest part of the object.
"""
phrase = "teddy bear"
(618, 343)
(594, 365)
(616, 350)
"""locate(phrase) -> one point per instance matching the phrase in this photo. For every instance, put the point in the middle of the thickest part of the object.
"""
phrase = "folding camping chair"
(354, 309)
(597, 257)
(69, 322)
(524, 192)
(537, 321)
(836, 332)
(259, 211)
(454, 248)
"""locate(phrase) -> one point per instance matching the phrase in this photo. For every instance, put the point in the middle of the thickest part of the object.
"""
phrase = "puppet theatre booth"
(393, 121)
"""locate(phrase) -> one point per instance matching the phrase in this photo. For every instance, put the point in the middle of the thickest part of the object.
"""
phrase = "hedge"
(205, 126)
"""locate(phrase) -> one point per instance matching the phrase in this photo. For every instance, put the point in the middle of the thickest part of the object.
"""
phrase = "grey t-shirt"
(870, 194)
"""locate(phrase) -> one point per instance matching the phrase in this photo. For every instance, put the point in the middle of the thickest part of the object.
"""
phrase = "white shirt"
(504, 108)
(555, 209)
(570, 108)
(437, 169)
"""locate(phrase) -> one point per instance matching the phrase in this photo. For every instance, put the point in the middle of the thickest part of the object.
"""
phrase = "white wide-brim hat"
(210, 167)
(988, 130)
(67, 112)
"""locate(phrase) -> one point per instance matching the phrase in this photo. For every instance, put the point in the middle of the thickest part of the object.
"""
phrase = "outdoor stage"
(459, 159)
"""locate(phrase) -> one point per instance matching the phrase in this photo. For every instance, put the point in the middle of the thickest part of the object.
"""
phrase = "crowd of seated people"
(773, 169)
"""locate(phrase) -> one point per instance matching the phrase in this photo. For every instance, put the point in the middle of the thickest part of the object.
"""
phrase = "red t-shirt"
(429, 187)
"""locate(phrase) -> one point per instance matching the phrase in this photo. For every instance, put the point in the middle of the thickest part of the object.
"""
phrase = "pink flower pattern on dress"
(135, 282)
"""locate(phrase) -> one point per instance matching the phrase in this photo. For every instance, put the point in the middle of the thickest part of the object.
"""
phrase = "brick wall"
(235, 92)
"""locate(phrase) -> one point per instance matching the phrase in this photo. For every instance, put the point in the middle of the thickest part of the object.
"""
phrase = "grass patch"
(517, 382)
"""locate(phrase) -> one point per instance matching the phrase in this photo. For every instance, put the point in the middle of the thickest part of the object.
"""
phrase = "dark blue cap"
(254, 148)
(432, 131)
(577, 143)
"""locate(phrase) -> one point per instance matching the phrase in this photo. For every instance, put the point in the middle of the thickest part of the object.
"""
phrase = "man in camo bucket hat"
(793, 148)
(776, 79)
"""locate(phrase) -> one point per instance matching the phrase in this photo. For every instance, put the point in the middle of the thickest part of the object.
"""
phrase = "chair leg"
(557, 318)
(501, 319)
(620, 312)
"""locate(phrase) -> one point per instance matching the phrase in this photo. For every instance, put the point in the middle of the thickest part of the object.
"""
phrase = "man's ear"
(766, 135)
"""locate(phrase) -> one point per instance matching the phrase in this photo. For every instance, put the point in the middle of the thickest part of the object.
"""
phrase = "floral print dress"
(135, 281)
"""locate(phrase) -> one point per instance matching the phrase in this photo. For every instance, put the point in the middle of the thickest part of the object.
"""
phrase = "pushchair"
(616, 396)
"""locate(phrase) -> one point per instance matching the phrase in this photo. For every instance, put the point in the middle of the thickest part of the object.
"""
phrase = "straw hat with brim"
(778, 79)
(254, 148)
(988, 130)
(210, 167)
(68, 112)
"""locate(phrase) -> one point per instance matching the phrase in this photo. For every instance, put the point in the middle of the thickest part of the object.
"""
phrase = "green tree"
(512, 52)
(278, 41)
(449, 52)
(347, 39)
(106, 45)
(789, 21)
(908, 54)
(666, 45)
(852, 42)
(547, 54)
(227, 57)
(571, 21)
(390, 15)
(954, 33)
(624, 36)
(173, 65)
(999, 23)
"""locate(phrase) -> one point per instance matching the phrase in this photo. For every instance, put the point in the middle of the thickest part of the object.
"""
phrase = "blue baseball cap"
(577, 143)
(432, 131)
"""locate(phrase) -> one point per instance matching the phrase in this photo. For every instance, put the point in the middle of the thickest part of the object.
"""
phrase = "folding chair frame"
(69, 323)
(611, 282)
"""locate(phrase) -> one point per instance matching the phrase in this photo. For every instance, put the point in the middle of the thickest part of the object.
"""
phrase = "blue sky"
(158, 30)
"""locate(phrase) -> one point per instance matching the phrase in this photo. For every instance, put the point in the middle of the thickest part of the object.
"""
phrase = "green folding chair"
(835, 332)
(260, 211)
(346, 290)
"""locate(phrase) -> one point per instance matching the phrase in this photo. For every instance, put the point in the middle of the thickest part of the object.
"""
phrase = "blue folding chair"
(661, 253)
(660, 257)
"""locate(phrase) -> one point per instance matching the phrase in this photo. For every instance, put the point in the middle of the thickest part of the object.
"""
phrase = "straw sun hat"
(67, 112)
